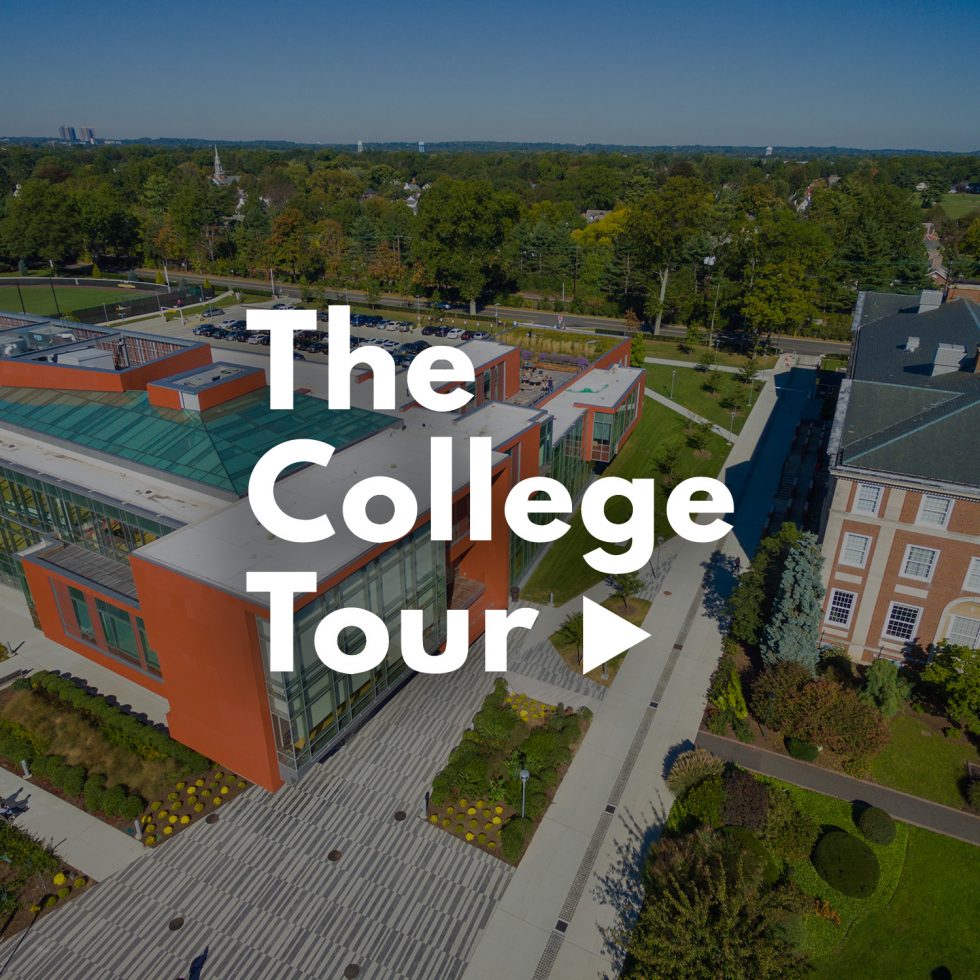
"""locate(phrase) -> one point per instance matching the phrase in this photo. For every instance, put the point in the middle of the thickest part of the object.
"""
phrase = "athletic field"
(39, 299)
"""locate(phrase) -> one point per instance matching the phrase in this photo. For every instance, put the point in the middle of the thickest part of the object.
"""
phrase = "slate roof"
(896, 416)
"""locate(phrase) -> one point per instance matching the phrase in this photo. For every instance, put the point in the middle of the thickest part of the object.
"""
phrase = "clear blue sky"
(866, 73)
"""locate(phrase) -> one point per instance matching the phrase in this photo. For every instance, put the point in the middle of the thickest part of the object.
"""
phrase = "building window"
(841, 607)
(972, 583)
(82, 616)
(964, 631)
(902, 621)
(919, 562)
(119, 633)
(868, 499)
(934, 510)
(855, 550)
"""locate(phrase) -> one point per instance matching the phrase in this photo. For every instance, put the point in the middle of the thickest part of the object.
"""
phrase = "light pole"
(525, 776)
(673, 377)
(731, 426)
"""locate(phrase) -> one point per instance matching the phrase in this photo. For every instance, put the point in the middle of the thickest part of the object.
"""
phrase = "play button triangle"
(606, 635)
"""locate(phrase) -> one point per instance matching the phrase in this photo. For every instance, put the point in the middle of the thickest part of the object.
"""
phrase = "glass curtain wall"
(312, 705)
(30, 508)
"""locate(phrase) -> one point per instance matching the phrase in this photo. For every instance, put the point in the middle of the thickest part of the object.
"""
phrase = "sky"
(867, 73)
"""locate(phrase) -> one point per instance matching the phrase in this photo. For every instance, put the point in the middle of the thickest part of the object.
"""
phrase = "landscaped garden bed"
(478, 795)
(33, 879)
(569, 637)
(90, 752)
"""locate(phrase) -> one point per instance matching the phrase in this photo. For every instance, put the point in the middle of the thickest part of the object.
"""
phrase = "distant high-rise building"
(87, 134)
(63, 133)
(360, 147)
(71, 134)
(421, 146)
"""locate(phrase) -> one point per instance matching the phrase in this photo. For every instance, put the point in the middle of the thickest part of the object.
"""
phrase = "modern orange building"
(124, 465)
(901, 539)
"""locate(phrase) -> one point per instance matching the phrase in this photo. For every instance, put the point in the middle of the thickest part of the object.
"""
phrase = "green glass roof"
(217, 447)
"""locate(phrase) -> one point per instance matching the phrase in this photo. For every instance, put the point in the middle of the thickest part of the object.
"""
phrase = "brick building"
(901, 535)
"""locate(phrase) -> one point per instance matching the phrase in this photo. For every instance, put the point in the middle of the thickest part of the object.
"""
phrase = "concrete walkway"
(688, 414)
(902, 806)
(725, 368)
(83, 841)
(34, 651)
(580, 877)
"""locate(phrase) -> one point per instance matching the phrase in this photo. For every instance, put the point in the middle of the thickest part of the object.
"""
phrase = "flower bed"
(478, 794)
(33, 879)
(187, 803)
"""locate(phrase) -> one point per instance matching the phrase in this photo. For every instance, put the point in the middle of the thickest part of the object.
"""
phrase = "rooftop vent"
(912, 344)
(930, 299)
(948, 358)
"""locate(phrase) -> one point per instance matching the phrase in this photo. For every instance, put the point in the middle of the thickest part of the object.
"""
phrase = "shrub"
(805, 751)
(114, 800)
(743, 843)
(876, 825)
(791, 928)
(690, 768)
(59, 879)
(775, 692)
(94, 793)
(846, 863)
(704, 801)
(80, 882)
(746, 801)
(74, 780)
(790, 833)
(512, 838)
(973, 794)
(64, 892)
(132, 807)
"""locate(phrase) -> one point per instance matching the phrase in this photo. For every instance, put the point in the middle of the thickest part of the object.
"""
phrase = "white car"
(390, 344)
(455, 333)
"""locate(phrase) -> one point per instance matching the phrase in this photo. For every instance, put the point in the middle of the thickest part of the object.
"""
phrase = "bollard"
(139, 829)
(26, 768)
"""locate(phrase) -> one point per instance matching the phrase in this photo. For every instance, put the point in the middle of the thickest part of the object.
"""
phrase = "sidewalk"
(86, 843)
(688, 414)
(693, 365)
(580, 875)
(902, 806)
(34, 651)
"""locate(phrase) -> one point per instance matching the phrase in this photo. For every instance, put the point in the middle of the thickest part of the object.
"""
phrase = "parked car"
(454, 333)
(279, 306)
(298, 357)
(323, 316)
(203, 331)
(213, 311)
(389, 344)
(479, 335)
(219, 333)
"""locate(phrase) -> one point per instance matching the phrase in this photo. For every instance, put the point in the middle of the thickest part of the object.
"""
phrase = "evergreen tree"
(793, 632)
(884, 687)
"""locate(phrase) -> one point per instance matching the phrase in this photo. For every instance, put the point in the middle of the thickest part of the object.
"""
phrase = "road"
(571, 321)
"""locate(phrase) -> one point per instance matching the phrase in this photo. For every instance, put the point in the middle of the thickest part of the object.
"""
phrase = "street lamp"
(673, 376)
(525, 776)
(731, 427)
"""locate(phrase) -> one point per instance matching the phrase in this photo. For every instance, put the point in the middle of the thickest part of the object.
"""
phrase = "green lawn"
(670, 350)
(688, 391)
(958, 205)
(563, 569)
(930, 921)
(39, 300)
(919, 760)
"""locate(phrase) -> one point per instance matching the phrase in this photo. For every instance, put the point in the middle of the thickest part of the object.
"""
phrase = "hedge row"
(116, 725)
(17, 744)
(25, 852)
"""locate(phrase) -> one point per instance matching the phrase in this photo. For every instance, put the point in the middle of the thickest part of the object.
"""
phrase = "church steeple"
(219, 172)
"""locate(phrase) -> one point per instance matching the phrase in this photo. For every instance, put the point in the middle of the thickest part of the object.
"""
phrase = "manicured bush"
(94, 793)
(80, 882)
(790, 833)
(792, 928)
(512, 838)
(25, 852)
(846, 863)
(132, 807)
(690, 768)
(746, 800)
(704, 801)
(114, 800)
(59, 879)
(876, 825)
(74, 780)
(973, 794)
(805, 751)
(753, 852)
(64, 892)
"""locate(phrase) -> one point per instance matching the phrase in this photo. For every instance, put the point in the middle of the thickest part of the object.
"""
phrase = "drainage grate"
(654, 705)
(561, 926)
(610, 808)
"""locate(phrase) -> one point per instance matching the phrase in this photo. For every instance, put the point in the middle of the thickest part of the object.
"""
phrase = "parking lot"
(225, 328)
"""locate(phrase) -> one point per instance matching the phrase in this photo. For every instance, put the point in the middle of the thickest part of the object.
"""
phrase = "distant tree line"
(708, 240)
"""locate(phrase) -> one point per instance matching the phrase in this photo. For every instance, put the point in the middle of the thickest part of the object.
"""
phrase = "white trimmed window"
(972, 583)
(901, 622)
(919, 562)
(964, 631)
(841, 607)
(867, 499)
(855, 550)
(934, 510)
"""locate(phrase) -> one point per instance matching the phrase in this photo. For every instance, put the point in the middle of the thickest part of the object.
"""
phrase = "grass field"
(670, 350)
(920, 760)
(39, 299)
(957, 205)
(563, 569)
(930, 921)
(689, 392)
